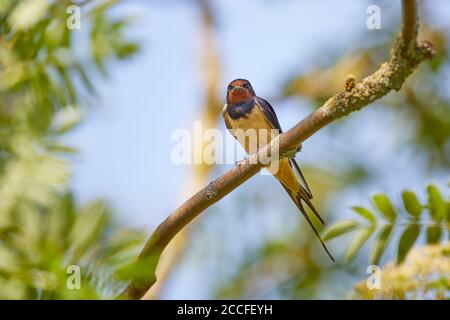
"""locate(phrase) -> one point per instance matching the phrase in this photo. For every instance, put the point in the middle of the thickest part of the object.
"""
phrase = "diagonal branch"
(406, 55)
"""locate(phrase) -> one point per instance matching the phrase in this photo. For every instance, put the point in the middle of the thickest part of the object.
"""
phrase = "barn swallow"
(244, 110)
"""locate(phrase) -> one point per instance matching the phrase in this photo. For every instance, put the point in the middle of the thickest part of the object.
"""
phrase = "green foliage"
(142, 270)
(407, 240)
(366, 214)
(358, 241)
(381, 242)
(45, 79)
(384, 206)
(38, 248)
(339, 228)
(43, 68)
(411, 203)
(437, 205)
(434, 234)
(438, 212)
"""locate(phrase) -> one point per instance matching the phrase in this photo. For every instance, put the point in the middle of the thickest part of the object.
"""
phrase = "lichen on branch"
(390, 76)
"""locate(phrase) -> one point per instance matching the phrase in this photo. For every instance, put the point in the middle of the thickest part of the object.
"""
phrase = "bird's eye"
(246, 85)
(230, 87)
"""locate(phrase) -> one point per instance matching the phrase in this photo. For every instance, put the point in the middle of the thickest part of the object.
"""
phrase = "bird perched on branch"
(244, 111)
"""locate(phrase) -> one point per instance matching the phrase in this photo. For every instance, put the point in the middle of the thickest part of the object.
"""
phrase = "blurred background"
(87, 115)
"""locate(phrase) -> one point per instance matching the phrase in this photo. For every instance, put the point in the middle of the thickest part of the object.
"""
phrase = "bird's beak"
(239, 88)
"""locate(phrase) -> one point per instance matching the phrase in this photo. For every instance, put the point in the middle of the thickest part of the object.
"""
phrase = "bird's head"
(239, 90)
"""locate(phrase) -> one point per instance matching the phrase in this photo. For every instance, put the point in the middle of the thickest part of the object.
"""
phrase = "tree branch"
(409, 22)
(406, 55)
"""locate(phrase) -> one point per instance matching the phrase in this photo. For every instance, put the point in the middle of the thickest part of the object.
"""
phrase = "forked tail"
(297, 198)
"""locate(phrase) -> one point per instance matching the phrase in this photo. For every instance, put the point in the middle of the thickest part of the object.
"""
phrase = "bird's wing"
(269, 112)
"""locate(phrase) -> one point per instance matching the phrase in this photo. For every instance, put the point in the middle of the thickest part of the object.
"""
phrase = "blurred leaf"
(407, 240)
(32, 178)
(56, 147)
(27, 13)
(127, 50)
(438, 207)
(434, 234)
(88, 224)
(365, 213)
(338, 229)
(412, 204)
(358, 241)
(384, 205)
(66, 119)
(9, 260)
(381, 243)
(60, 218)
(124, 245)
(142, 270)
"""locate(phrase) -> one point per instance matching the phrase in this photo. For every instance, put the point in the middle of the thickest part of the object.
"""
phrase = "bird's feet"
(291, 152)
